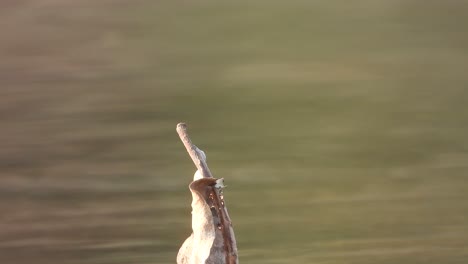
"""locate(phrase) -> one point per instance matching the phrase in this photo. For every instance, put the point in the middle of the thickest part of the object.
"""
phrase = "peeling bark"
(212, 240)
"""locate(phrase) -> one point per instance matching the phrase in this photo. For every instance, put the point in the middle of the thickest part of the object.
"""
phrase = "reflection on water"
(340, 129)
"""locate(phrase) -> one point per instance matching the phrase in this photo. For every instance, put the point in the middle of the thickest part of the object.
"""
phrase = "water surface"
(340, 128)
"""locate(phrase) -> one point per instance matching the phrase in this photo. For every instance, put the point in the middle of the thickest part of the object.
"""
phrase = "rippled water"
(340, 128)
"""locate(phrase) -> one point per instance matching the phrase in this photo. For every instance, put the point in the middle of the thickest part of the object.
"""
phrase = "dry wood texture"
(212, 240)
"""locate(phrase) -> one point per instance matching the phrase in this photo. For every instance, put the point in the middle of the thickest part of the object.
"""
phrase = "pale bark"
(212, 240)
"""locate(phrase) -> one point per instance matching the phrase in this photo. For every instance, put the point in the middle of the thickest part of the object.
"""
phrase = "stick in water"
(212, 240)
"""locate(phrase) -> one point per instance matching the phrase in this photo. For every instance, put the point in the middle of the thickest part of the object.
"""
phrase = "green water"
(340, 128)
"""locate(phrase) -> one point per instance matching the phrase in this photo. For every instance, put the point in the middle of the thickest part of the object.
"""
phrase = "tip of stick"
(181, 126)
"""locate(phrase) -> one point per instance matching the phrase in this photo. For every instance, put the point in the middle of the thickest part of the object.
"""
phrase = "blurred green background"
(339, 126)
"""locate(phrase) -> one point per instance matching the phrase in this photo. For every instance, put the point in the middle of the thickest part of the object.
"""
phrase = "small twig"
(194, 152)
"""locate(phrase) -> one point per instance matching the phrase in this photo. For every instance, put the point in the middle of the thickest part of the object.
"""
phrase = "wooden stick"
(195, 153)
(215, 200)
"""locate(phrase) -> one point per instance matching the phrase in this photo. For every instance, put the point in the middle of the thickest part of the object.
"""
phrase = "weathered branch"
(212, 240)
(195, 153)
